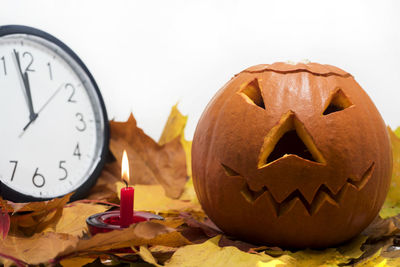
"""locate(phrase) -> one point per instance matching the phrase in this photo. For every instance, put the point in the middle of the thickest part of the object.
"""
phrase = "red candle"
(127, 195)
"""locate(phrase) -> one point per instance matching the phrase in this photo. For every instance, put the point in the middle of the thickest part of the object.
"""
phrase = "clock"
(53, 122)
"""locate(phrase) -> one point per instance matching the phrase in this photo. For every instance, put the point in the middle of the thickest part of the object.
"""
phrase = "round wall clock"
(54, 127)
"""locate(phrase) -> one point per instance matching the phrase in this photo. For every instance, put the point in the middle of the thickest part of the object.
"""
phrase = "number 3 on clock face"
(54, 135)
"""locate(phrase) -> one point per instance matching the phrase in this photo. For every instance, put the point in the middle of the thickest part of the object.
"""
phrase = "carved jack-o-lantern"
(292, 155)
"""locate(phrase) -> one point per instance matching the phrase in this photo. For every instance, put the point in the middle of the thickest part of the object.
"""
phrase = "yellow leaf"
(374, 261)
(330, 256)
(146, 255)
(73, 219)
(76, 261)
(175, 127)
(397, 132)
(210, 254)
(272, 263)
(391, 207)
(153, 198)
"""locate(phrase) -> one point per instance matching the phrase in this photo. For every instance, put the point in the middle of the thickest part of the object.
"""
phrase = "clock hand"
(26, 86)
(51, 97)
(32, 114)
(41, 109)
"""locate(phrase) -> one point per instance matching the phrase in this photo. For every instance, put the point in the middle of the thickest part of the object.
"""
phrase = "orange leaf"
(43, 214)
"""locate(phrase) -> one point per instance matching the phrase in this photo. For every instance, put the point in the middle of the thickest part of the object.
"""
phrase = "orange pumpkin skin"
(292, 156)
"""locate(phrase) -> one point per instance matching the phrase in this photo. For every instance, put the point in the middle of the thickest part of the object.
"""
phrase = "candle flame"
(125, 167)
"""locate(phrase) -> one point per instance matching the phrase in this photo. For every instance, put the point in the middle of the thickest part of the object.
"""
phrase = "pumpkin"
(292, 155)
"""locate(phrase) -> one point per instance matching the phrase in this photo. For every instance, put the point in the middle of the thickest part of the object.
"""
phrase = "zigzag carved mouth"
(324, 194)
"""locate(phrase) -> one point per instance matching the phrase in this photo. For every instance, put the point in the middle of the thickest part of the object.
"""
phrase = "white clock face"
(51, 121)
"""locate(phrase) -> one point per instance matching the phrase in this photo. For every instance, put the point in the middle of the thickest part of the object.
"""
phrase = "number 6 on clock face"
(55, 131)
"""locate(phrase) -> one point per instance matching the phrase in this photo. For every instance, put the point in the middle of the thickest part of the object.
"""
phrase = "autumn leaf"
(391, 207)
(4, 219)
(153, 198)
(397, 132)
(144, 233)
(106, 185)
(43, 214)
(73, 219)
(146, 255)
(175, 127)
(39, 248)
(381, 228)
(4, 224)
(210, 254)
(150, 162)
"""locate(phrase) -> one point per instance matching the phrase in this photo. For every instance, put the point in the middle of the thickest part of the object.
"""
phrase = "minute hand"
(26, 86)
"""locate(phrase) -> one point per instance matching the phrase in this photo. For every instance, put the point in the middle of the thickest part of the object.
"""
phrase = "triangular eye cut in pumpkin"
(289, 137)
(337, 102)
(252, 93)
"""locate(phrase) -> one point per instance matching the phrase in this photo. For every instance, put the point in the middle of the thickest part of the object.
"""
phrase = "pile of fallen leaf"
(55, 232)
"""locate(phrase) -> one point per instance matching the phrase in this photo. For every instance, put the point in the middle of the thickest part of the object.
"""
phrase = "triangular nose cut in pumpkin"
(289, 137)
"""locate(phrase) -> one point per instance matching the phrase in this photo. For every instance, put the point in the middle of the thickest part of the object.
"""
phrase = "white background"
(147, 55)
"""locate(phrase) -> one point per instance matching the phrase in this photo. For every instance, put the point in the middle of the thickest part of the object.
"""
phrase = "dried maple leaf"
(73, 219)
(175, 127)
(39, 248)
(150, 162)
(4, 218)
(145, 233)
(41, 215)
(391, 206)
(382, 228)
(210, 254)
(105, 187)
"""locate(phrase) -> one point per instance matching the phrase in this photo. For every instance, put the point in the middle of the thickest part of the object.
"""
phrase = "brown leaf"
(150, 162)
(4, 218)
(105, 187)
(145, 233)
(207, 226)
(4, 224)
(39, 248)
(241, 245)
(381, 228)
(42, 216)
(175, 127)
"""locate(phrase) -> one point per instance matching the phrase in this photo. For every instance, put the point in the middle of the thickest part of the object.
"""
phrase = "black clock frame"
(9, 193)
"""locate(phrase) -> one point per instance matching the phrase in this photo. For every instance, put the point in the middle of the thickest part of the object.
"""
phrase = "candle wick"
(126, 183)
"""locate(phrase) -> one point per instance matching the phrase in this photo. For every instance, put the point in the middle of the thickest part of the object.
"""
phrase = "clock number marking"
(77, 151)
(38, 179)
(70, 99)
(64, 169)
(28, 68)
(4, 65)
(15, 168)
(82, 126)
(50, 71)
